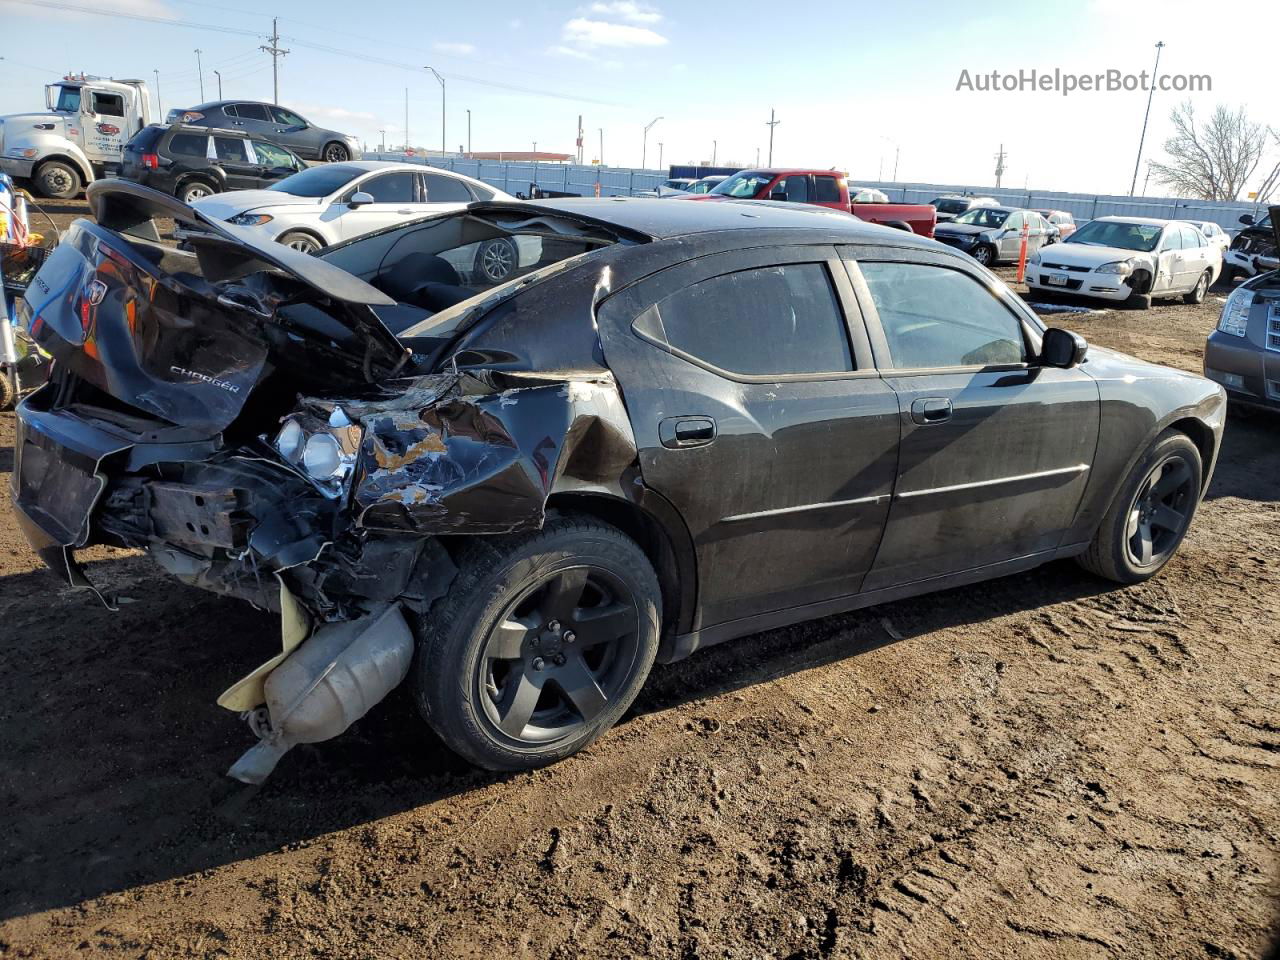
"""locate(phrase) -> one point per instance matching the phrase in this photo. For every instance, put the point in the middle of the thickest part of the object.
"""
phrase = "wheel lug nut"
(570, 636)
(560, 660)
(538, 663)
(553, 625)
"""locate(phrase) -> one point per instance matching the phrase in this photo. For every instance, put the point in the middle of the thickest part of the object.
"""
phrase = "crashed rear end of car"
(244, 414)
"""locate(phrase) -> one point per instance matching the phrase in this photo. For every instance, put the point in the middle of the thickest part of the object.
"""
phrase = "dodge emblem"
(95, 292)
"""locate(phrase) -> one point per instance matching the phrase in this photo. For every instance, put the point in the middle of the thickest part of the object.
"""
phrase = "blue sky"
(853, 85)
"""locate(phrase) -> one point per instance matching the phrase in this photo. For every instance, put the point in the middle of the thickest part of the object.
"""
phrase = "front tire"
(335, 153)
(985, 255)
(541, 644)
(56, 180)
(301, 241)
(1150, 515)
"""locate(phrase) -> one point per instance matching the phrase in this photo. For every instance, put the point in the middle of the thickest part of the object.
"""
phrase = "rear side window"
(442, 189)
(252, 111)
(770, 321)
(938, 317)
(230, 148)
(826, 190)
(188, 145)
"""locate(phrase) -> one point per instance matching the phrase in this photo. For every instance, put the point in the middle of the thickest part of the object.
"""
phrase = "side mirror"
(1062, 348)
(778, 195)
(360, 199)
(1246, 219)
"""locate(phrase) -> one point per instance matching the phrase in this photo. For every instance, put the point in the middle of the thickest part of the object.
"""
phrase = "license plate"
(1058, 279)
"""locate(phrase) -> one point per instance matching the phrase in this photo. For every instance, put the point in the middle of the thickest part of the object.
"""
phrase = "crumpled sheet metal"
(470, 461)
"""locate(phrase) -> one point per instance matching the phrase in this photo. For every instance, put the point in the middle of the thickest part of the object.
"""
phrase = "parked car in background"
(276, 124)
(195, 162)
(458, 498)
(867, 195)
(822, 188)
(333, 202)
(1063, 221)
(1214, 234)
(951, 206)
(1243, 353)
(1257, 240)
(706, 184)
(1130, 259)
(993, 235)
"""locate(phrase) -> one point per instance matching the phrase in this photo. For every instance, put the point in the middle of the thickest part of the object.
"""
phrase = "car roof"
(664, 219)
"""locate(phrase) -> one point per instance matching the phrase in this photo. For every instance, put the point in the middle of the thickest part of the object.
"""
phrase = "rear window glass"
(951, 206)
(188, 145)
(769, 321)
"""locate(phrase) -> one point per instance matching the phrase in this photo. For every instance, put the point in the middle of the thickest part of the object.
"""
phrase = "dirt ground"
(1041, 766)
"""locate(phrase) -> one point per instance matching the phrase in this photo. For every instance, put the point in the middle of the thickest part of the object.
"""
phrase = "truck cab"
(78, 138)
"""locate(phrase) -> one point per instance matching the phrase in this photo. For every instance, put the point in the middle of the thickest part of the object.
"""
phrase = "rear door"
(826, 191)
(252, 118)
(995, 450)
(443, 193)
(395, 200)
(759, 416)
(1196, 256)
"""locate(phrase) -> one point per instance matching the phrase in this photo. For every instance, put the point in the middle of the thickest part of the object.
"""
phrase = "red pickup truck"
(822, 188)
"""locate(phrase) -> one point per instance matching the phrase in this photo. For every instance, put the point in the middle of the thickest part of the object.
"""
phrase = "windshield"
(1126, 236)
(318, 181)
(68, 100)
(743, 185)
(983, 217)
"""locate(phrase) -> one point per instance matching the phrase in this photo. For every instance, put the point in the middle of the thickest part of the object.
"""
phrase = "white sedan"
(333, 202)
(1134, 259)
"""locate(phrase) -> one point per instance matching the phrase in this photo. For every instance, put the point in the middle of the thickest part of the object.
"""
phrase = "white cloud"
(626, 10)
(589, 34)
(515, 24)
(335, 115)
(563, 51)
(455, 49)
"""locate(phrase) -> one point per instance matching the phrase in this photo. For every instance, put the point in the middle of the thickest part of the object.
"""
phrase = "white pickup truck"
(79, 137)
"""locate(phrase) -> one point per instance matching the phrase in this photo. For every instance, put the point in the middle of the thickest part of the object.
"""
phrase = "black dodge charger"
(684, 424)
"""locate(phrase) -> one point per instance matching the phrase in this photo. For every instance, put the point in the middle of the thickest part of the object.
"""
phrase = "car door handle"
(928, 410)
(678, 432)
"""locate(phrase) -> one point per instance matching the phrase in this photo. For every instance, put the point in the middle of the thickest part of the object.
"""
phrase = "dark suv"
(275, 124)
(195, 162)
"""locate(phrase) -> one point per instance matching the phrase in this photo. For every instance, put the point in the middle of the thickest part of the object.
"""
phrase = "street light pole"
(644, 146)
(468, 131)
(602, 146)
(659, 154)
(218, 74)
(771, 122)
(1145, 117)
(382, 141)
(443, 147)
(159, 102)
(200, 71)
(715, 145)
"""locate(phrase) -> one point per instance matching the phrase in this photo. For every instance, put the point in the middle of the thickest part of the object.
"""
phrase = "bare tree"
(1213, 161)
(1272, 179)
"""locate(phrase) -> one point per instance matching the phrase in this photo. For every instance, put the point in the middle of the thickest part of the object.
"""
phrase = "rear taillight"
(151, 161)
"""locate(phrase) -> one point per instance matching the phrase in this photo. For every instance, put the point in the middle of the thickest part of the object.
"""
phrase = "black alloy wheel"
(336, 153)
(1161, 512)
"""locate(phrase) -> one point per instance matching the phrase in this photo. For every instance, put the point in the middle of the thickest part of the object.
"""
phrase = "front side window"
(389, 188)
(252, 111)
(287, 117)
(1172, 239)
(188, 145)
(938, 317)
(108, 104)
(792, 189)
(769, 321)
(230, 149)
(442, 189)
(269, 155)
(1191, 239)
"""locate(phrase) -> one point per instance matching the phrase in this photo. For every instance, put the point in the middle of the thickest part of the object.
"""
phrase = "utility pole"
(999, 166)
(579, 138)
(159, 104)
(276, 52)
(771, 122)
(406, 119)
(200, 71)
(897, 154)
(443, 148)
(382, 141)
(644, 145)
(218, 74)
(602, 146)
(715, 146)
(757, 156)
(659, 154)
(468, 131)
(1145, 117)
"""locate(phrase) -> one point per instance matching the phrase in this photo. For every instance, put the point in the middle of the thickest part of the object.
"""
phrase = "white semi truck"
(78, 138)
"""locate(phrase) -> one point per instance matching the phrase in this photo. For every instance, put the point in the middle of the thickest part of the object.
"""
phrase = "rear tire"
(500, 672)
(1150, 515)
(1228, 276)
(57, 180)
(8, 396)
(1196, 295)
(192, 190)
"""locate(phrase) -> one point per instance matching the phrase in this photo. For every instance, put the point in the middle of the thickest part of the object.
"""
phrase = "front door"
(1169, 266)
(1010, 240)
(104, 126)
(395, 197)
(759, 416)
(995, 450)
